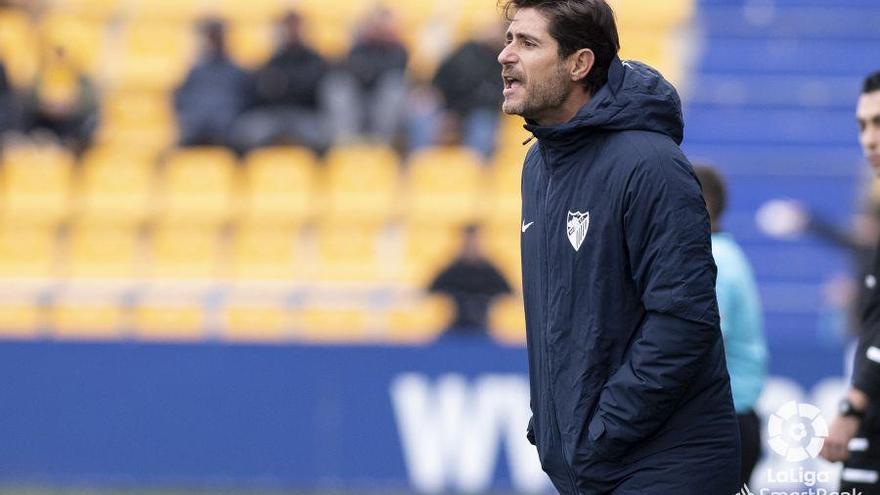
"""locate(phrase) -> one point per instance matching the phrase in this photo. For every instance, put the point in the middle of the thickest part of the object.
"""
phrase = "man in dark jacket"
(288, 95)
(854, 436)
(214, 93)
(629, 387)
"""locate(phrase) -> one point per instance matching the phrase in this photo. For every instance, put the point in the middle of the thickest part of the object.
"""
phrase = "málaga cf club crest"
(578, 223)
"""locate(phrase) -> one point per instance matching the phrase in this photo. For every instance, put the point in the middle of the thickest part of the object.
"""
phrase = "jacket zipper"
(547, 229)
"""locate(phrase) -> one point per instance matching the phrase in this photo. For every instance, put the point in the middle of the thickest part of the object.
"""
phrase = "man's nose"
(507, 55)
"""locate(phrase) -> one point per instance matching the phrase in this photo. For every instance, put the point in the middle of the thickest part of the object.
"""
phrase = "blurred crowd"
(296, 97)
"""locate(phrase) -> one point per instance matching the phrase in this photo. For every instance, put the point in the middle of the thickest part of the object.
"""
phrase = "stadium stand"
(136, 239)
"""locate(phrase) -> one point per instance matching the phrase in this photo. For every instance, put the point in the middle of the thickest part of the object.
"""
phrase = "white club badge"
(578, 224)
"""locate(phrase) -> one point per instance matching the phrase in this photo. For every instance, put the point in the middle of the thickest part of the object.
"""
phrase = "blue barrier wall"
(294, 416)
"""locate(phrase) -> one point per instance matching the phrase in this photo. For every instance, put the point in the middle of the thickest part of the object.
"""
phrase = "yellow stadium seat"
(265, 253)
(507, 321)
(82, 39)
(99, 252)
(361, 185)
(501, 243)
(197, 187)
(137, 120)
(331, 37)
(426, 250)
(20, 319)
(338, 324)
(27, 252)
(647, 14)
(169, 321)
(419, 321)
(87, 320)
(180, 252)
(255, 322)
(174, 11)
(348, 253)
(505, 198)
(250, 11)
(444, 187)
(251, 43)
(152, 56)
(35, 185)
(279, 186)
(97, 10)
(18, 47)
(511, 136)
(116, 186)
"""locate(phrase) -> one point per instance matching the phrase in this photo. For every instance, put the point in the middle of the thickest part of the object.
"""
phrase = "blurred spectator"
(63, 101)
(472, 281)
(6, 98)
(739, 305)
(470, 90)
(213, 94)
(369, 92)
(288, 96)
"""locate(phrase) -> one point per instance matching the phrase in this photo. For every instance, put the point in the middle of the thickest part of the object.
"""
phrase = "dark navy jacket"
(629, 387)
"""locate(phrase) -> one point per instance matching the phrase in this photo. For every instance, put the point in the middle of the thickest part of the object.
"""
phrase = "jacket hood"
(636, 97)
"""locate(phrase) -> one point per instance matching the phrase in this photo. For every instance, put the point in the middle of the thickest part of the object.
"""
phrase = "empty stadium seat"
(361, 185)
(164, 320)
(418, 321)
(248, 321)
(251, 11)
(87, 319)
(426, 250)
(251, 43)
(197, 187)
(444, 186)
(505, 196)
(184, 252)
(18, 47)
(98, 252)
(27, 251)
(116, 187)
(279, 186)
(265, 253)
(20, 319)
(35, 185)
(140, 120)
(349, 253)
(339, 324)
(151, 56)
(94, 10)
(501, 243)
(507, 321)
(171, 11)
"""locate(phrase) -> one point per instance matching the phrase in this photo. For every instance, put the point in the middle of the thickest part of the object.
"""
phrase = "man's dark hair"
(714, 191)
(577, 24)
(872, 83)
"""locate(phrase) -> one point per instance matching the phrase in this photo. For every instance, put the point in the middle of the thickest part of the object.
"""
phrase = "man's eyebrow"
(520, 34)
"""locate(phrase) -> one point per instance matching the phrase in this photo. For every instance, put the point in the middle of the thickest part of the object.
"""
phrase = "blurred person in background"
(473, 282)
(368, 93)
(739, 305)
(63, 101)
(854, 435)
(213, 94)
(289, 106)
(629, 386)
(467, 89)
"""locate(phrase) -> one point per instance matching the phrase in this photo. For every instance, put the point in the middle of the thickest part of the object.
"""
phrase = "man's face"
(536, 80)
(868, 115)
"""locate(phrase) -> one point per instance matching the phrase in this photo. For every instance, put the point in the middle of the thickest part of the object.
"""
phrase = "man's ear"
(582, 62)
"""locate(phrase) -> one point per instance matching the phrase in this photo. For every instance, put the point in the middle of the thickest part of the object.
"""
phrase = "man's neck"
(569, 108)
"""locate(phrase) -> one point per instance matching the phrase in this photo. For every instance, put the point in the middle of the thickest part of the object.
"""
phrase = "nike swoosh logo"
(526, 226)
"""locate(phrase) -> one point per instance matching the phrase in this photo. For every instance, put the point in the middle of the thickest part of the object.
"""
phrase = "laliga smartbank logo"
(797, 431)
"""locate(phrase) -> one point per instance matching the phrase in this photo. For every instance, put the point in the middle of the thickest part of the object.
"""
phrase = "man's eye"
(528, 43)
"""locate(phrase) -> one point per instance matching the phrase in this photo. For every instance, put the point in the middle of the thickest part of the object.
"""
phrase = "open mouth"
(511, 82)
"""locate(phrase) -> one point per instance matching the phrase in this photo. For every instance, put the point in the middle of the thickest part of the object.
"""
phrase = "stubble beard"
(547, 93)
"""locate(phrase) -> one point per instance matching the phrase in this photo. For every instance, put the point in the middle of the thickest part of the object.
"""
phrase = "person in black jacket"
(854, 436)
(213, 94)
(473, 282)
(287, 92)
(630, 392)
